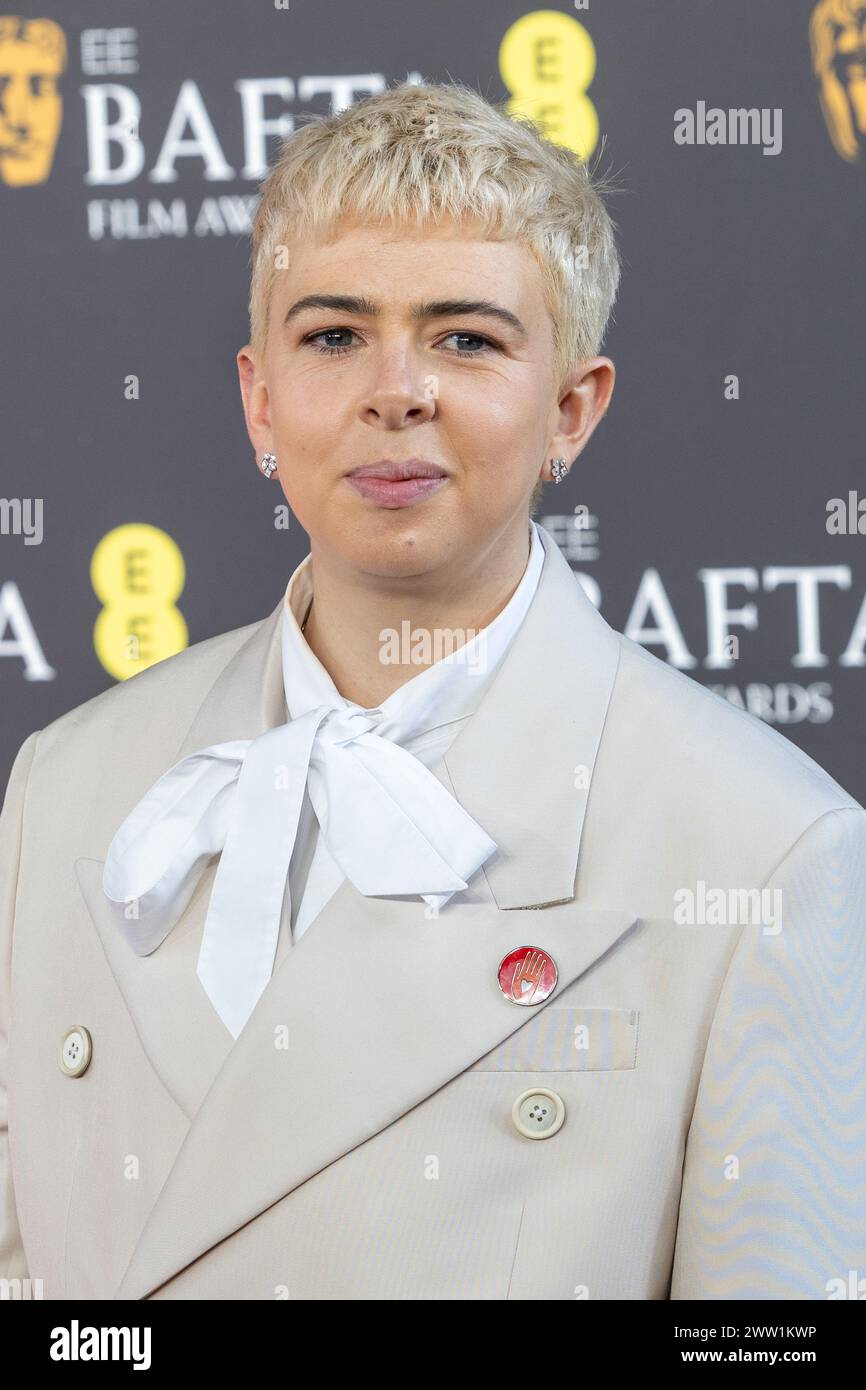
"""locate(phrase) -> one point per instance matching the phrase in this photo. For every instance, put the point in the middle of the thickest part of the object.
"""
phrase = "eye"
(476, 337)
(329, 350)
(478, 342)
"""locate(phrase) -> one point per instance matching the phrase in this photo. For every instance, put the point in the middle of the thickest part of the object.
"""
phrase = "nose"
(15, 106)
(402, 391)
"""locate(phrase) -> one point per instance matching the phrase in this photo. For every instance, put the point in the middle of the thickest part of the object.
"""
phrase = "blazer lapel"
(523, 764)
(183, 1037)
(377, 1006)
(180, 1031)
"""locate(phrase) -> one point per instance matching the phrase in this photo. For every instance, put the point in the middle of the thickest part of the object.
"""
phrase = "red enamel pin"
(527, 975)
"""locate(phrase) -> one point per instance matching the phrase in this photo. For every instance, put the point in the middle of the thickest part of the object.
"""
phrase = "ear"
(583, 403)
(256, 401)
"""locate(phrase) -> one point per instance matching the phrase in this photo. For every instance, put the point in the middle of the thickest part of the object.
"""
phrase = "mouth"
(20, 149)
(391, 485)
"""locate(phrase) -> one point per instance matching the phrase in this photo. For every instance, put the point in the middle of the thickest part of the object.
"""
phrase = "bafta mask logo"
(32, 58)
(837, 33)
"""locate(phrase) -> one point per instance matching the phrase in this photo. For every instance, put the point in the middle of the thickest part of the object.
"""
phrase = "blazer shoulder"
(173, 687)
(728, 755)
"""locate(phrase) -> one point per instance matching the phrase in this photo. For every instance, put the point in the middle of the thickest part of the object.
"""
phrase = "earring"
(559, 469)
(268, 464)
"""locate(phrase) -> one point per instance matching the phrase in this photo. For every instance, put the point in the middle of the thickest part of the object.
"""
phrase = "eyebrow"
(431, 309)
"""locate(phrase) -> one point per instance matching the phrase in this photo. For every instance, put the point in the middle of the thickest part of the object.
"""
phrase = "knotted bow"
(242, 800)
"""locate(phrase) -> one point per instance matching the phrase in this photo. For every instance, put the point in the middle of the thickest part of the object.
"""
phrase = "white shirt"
(334, 791)
(451, 693)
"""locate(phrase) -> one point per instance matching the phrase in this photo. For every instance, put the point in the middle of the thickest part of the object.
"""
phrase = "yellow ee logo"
(138, 573)
(547, 61)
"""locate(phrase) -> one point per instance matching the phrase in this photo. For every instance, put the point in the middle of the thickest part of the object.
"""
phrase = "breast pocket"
(564, 1039)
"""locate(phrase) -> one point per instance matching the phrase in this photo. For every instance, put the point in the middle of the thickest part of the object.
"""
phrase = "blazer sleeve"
(773, 1200)
(12, 1261)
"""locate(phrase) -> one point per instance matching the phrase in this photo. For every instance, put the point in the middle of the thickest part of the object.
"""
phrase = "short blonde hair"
(418, 152)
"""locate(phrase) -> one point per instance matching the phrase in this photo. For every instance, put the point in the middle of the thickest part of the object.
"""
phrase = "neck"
(352, 611)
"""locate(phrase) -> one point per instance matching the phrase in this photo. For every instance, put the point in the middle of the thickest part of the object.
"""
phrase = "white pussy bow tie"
(242, 799)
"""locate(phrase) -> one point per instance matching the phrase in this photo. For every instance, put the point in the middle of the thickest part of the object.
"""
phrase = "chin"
(397, 547)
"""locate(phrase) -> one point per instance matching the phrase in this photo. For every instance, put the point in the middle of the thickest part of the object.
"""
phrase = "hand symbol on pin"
(527, 976)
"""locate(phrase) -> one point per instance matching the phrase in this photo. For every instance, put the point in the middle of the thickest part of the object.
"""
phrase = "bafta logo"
(32, 58)
(837, 33)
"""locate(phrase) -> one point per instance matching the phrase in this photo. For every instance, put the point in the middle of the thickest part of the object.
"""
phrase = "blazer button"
(538, 1114)
(76, 1050)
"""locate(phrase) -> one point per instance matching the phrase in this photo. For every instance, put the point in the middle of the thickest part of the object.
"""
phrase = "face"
(30, 104)
(437, 349)
(850, 67)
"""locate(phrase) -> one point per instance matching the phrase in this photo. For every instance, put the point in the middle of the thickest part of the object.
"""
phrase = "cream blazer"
(357, 1140)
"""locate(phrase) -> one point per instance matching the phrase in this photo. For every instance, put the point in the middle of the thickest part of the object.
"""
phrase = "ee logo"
(138, 573)
(547, 61)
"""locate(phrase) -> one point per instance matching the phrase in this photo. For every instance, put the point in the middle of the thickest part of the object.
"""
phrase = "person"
(428, 938)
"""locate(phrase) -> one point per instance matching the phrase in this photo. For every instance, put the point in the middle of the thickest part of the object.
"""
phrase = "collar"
(451, 689)
(546, 709)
